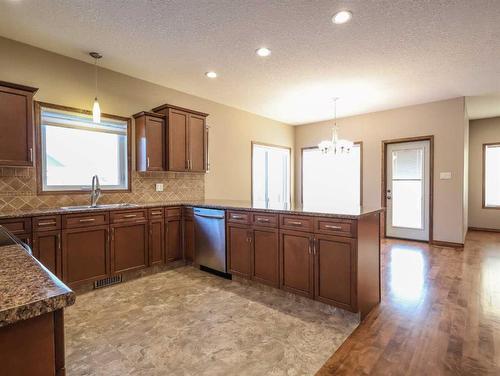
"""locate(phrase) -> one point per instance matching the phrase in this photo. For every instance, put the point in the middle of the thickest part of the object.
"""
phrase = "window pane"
(407, 203)
(271, 174)
(407, 164)
(74, 150)
(492, 176)
(331, 180)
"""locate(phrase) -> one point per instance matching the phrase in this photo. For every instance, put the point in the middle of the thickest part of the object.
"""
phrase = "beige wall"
(481, 132)
(70, 82)
(444, 120)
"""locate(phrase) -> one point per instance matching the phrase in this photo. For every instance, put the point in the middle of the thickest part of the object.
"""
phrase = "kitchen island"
(32, 300)
(328, 254)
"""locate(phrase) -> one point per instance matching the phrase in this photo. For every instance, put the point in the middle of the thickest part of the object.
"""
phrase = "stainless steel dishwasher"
(210, 238)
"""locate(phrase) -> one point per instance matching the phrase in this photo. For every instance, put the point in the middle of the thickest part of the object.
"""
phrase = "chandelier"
(335, 145)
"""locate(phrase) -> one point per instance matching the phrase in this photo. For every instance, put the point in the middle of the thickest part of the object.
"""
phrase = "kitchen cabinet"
(173, 239)
(156, 236)
(47, 249)
(150, 141)
(85, 253)
(265, 268)
(239, 249)
(186, 138)
(297, 262)
(16, 124)
(129, 246)
(334, 263)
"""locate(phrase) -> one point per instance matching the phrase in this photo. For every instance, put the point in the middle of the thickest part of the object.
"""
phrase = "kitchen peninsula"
(330, 255)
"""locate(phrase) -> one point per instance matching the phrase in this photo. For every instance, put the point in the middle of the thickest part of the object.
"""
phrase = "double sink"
(108, 206)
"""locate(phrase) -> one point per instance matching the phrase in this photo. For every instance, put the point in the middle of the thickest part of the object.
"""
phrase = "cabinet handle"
(155, 213)
(46, 223)
(262, 219)
(332, 227)
(113, 234)
(130, 216)
(31, 154)
(310, 246)
(295, 223)
(237, 217)
(59, 241)
(147, 162)
(87, 220)
(314, 245)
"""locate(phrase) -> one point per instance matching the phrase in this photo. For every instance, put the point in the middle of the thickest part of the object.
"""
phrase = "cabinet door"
(189, 239)
(173, 239)
(47, 249)
(177, 140)
(196, 143)
(266, 256)
(16, 127)
(239, 250)
(129, 246)
(155, 144)
(334, 263)
(156, 241)
(85, 254)
(297, 262)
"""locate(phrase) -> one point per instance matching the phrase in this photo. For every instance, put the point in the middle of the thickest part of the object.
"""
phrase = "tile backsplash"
(18, 190)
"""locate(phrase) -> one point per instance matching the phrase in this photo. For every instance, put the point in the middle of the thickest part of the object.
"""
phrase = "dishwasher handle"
(209, 216)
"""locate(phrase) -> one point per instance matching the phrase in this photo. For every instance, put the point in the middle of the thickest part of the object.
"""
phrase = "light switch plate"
(159, 187)
(445, 175)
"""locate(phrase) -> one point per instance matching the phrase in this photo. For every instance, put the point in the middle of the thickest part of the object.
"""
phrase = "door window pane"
(331, 180)
(407, 203)
(74, 149)
(492, 175)
(270, 174)
(407, 164)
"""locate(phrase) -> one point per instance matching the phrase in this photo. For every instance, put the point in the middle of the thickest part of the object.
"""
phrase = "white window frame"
(77, 118)
(486, 205)
(287, 190)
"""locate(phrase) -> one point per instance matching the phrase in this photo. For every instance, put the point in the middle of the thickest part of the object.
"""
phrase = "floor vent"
(107, 281)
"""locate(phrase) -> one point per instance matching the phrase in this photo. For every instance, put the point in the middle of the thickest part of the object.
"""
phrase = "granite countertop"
(27, 288)
(347, 212)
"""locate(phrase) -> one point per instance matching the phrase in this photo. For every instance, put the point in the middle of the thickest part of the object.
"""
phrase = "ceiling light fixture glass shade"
(263, 52)
(342, 17)
(211, 74)
(96, 109)
(335, 145)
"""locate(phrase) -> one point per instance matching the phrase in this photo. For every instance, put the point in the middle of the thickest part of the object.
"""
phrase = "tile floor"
(188, 322)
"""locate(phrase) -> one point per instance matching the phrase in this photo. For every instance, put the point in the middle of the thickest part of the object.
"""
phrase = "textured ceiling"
(392, 54)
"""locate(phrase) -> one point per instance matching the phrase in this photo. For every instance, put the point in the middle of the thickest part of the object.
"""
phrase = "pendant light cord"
(95, 71)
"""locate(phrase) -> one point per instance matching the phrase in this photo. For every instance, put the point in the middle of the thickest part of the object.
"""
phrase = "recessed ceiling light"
(211, 74)
(342, 17)
(263, 52)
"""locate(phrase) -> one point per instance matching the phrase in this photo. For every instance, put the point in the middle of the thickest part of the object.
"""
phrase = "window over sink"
(73, 148)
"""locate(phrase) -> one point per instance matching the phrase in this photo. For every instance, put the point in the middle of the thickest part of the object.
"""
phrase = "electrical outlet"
(159, 187)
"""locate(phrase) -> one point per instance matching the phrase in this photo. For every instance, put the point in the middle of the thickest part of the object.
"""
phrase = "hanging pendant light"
(335, 145)
(96, 109)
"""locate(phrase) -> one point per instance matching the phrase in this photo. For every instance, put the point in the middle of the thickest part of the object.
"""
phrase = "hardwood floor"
(440, 313)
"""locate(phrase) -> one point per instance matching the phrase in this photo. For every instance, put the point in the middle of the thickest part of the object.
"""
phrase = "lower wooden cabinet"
(297, 267)
(129, 246)
(173, 239)
(47, 249)
(265, 264)
(189, 239)
(85, 254)
(334, 264)
(239, 250)
(156, 241)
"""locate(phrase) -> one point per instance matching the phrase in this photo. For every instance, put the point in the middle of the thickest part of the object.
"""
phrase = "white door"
(408, 189)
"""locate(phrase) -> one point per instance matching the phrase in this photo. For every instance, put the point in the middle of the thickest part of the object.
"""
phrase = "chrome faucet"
(96, 191)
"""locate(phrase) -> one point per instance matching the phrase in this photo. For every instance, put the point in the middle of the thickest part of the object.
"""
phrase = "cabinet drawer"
(267, 220)
(128, 216)
(155, 213)
(238, 217)
(85, 220)
(295, 222)
(17, 225)
(334, 227)
(172, 212)
(46, 223)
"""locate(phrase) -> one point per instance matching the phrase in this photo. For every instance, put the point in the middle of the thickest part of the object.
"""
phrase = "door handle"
(388, 194)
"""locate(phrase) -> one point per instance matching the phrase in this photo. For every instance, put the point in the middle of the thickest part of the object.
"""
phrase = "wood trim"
(483, 167)
(360, 143)
(252, 143)
(166, 105)
(148, 113)
(59, 342)
(38, 150)
(18, 87)
(484, 229)
(440, 243)
(429, 138)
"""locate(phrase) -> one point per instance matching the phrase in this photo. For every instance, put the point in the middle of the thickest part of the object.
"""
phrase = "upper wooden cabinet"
(150, 141)
(16, 124)
(186, 138)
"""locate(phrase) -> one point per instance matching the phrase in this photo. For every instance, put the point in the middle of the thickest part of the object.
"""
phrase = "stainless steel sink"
(108, 206)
